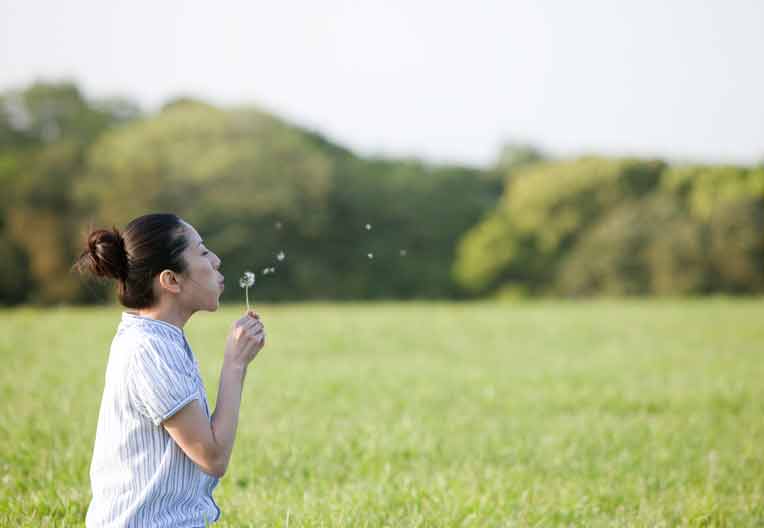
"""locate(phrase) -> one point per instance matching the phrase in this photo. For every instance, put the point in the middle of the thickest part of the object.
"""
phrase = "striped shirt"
(139, 475)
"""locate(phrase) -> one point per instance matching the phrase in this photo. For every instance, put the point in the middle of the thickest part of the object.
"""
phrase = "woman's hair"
(149, 245)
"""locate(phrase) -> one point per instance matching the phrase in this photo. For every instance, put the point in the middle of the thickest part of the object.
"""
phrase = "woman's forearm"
(225, 419)
(246, 339)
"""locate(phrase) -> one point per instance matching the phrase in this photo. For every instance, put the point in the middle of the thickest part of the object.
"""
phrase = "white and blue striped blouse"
(139, 475)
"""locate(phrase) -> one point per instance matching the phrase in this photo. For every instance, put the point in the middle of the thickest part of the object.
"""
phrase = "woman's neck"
(169, 314)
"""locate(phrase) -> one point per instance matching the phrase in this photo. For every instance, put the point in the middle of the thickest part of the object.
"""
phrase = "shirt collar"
(133, 318)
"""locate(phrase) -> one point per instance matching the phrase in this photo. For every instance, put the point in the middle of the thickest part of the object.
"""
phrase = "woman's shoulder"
(146, 341)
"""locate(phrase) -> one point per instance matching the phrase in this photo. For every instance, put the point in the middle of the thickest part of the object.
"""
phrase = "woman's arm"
(210, 443)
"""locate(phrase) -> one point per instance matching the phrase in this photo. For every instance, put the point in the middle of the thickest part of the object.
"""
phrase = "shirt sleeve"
(160, 380)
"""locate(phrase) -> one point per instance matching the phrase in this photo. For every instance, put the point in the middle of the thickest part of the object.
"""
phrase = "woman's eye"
(205, 253)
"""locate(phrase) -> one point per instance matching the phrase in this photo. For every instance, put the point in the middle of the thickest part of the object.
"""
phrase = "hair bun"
(106, 255)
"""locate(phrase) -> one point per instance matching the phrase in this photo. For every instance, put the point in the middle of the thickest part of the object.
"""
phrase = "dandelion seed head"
(247, 280)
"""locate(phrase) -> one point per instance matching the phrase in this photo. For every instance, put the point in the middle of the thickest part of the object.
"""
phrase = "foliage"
(45, 130)
(542, 214)
(639, 248)
(620, 227)
(416, 213)
(706, 189)
(255, 186)
(736, 233)
(252, 184)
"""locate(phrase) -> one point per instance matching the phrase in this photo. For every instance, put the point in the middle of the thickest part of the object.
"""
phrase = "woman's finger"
(250, 323)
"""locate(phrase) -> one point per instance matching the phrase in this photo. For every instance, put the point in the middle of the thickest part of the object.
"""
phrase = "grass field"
(609, 413)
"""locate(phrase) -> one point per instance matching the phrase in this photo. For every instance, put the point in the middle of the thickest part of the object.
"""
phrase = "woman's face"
(202, 280)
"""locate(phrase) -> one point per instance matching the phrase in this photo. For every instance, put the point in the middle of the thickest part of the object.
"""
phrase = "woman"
(158, 452)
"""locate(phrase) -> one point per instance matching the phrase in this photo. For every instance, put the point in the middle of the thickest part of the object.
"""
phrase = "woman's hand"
(246, 339)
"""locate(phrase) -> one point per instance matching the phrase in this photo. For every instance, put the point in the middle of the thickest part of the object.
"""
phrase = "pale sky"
(444, 81)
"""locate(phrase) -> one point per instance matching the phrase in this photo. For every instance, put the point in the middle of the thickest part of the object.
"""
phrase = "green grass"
(609, 413)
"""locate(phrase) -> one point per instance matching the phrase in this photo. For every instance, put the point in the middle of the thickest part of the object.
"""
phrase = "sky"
(445, 81)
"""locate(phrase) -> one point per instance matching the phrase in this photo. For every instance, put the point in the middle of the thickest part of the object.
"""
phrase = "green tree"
(727, 200)
(646, 246)
(545, 209)
(235, 174)
(417, 213)
(736, 233)
(44, 132)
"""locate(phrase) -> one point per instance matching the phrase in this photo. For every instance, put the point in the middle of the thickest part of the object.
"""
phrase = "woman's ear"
(168, 281)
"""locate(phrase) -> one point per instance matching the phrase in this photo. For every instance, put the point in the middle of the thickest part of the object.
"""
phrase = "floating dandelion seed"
(280, 256)
(368, 227)
(278, 225)
(266, 271)
(247, 281)
(402, 252)
(370, 255)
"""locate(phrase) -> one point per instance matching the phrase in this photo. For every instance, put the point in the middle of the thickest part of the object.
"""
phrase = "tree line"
(356, 227)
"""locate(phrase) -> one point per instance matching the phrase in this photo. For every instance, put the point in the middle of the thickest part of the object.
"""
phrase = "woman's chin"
(212, 307)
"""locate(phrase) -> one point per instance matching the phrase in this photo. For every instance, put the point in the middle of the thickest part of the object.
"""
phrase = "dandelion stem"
(247, 280)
